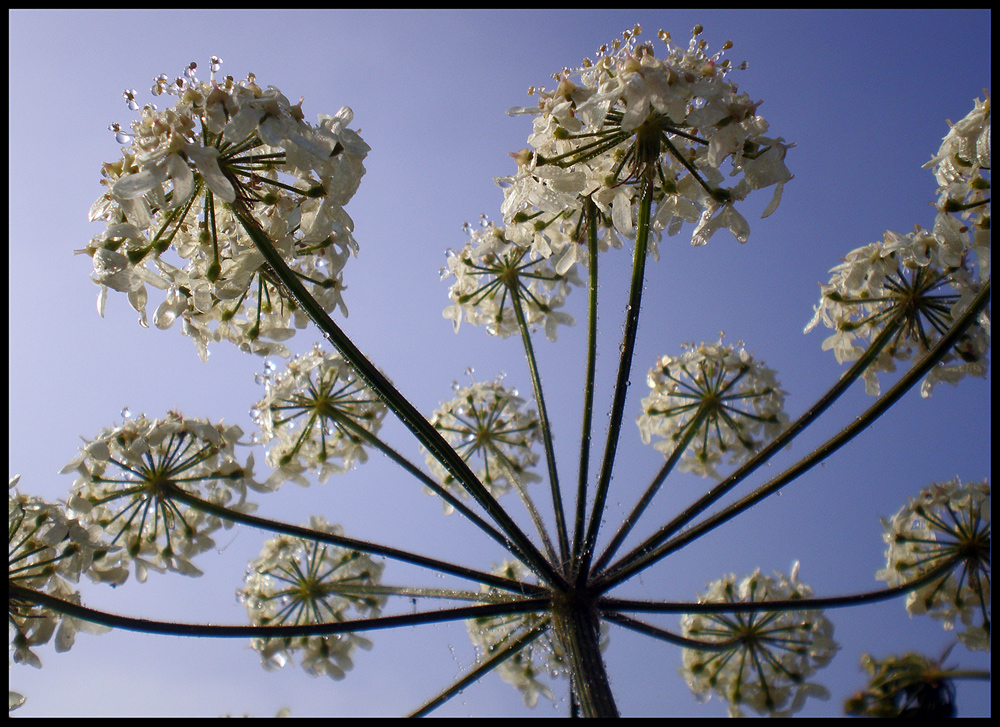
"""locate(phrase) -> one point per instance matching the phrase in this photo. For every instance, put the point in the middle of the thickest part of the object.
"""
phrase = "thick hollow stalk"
(576, 623)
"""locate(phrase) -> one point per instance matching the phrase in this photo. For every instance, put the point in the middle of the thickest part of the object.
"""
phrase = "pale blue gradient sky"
(865, 96)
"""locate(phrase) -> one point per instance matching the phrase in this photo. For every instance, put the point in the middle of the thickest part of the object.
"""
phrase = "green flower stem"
(664, 635)
(649, 552)
(423, 430)
(543, 417)
(426, 479)
(973, 674)
(499, 656)
(172, 628)
(607, 605)
(297, 531)
(689, 431)
(621, 385)
(361, 590)
(529, 504)
(588, 389)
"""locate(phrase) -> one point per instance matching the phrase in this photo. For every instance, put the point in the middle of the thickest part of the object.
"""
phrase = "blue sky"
(864, 95)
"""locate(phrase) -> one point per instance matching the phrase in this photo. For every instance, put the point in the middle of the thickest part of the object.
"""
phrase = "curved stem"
(621, 384)
(149, 626)
(543, 417)
(352, 543)
(649, 553)
(422, 429)
(795, 604)
(588, 389)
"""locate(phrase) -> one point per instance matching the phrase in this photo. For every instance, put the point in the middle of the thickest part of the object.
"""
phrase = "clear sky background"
(864, 95)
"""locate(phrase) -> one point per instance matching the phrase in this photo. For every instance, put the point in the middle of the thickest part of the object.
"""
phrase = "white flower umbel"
(921, 281)
(490, 270)
(490, 428)
(677, 119)
(768, 655)
(946, 521)
(310, 414)
(962, 166)
(46, 550)
(224, 149)
(528, 668)
(297, 581)
(719, 399)
(129, 477)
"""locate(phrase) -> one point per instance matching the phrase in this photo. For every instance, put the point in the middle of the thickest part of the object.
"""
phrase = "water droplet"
(129, 96)
(126, 413)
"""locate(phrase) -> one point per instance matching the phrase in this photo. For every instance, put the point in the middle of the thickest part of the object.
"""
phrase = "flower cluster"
(227, 160)
(493, 277)
(47, 551)
(962, 169)
(527, 668)
(314, 417)
(715, 401)
(631, 118)
(921, 281)
(489, 423)
(132, 479)
(917, 282)
(760, 659)
(297, 581)
(948, 521)
(906, 686)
